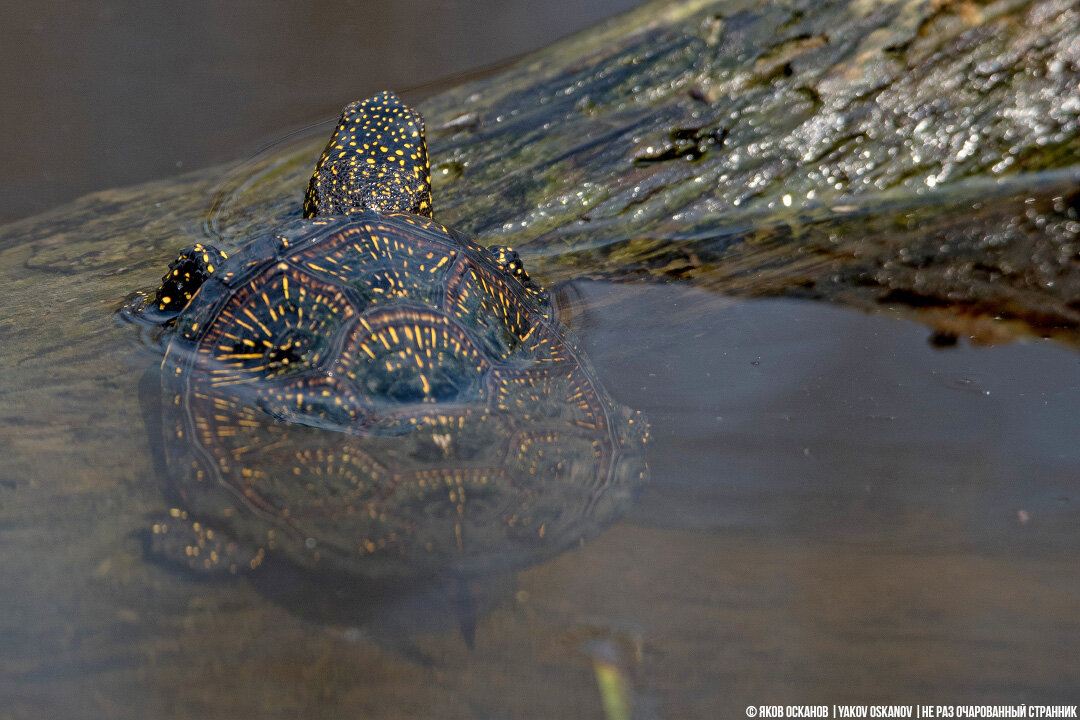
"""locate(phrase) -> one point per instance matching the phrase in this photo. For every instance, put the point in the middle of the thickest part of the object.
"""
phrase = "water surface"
(838, 511)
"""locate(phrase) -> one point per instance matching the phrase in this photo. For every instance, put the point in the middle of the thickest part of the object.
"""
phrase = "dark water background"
(99, 95)
(839, 511)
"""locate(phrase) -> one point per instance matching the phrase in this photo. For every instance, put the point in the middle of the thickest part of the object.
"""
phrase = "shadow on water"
(390, 614)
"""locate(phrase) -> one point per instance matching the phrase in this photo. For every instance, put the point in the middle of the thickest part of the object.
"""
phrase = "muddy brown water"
(838, 512)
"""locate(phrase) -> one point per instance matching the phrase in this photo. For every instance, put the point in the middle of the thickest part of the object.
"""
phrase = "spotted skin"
(366, 391)
(376, 160)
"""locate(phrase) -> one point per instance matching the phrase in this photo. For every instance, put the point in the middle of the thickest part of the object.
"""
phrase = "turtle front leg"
(181, 540)
(186, 275)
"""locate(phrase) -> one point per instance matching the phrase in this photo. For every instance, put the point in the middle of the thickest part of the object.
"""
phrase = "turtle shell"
(375, 394)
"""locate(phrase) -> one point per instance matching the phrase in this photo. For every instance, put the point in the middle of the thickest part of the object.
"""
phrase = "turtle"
(366, 391)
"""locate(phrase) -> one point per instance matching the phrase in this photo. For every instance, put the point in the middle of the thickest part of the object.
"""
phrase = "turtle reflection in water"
(368, 392)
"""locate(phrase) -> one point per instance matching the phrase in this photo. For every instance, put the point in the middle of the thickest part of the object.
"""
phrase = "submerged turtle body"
(373, 388)
(368, 391)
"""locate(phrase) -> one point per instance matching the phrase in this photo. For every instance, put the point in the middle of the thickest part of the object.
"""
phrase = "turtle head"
(376, 160)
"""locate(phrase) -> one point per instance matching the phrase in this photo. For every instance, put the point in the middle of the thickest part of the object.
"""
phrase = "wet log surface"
(909, 154)
(913, 155)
